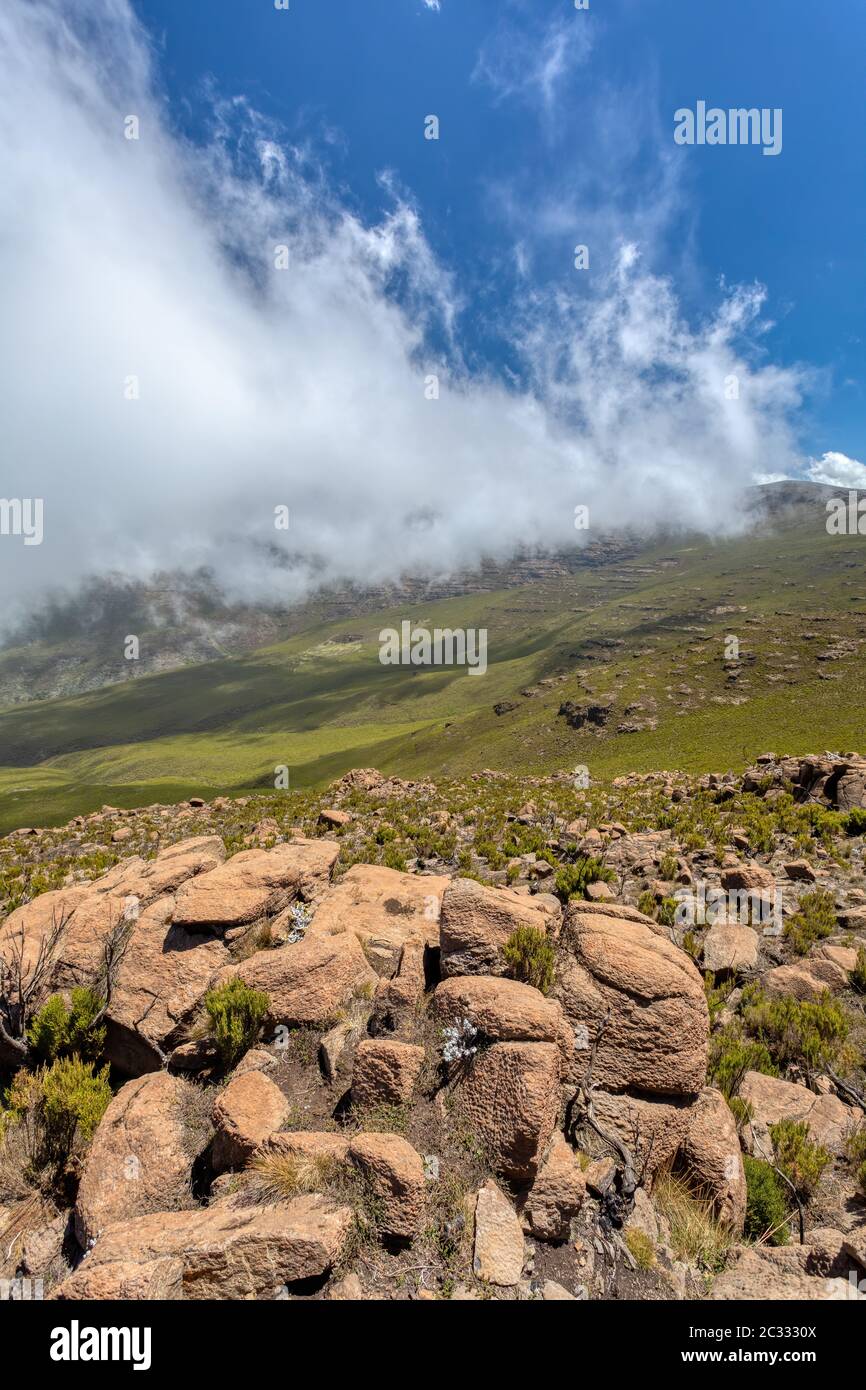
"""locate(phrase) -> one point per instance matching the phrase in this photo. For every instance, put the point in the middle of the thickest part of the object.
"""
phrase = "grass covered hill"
(644, 637)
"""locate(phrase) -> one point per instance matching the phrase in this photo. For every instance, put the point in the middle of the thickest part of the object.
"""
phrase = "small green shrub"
(854, 823)
(666, 912)
(73, 1100)
(766, 1203)
(798, 1030)
(858, 974)
(236, 1014)
(531, 956)
(855, 1150)
(646, 903)
(732, 1055)
(802, 1161)
(58, 1031)
(668, 867)
(814, 919)
(572, 880)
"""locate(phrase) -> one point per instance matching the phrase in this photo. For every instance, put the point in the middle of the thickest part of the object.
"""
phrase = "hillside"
(642, 637)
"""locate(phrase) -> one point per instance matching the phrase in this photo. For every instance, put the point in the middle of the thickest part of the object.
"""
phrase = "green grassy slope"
(648, 633)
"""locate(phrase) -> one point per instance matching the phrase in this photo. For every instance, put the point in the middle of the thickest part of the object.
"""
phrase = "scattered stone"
(498, 1256)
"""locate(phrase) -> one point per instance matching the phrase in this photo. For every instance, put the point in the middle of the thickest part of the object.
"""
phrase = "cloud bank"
(166, 386)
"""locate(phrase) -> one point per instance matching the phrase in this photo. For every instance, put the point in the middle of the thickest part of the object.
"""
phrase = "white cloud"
(432, 5)
(533, 66)
(305, 387)
(837, 470)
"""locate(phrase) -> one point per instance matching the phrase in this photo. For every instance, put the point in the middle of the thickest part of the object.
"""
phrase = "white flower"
(458, 1040)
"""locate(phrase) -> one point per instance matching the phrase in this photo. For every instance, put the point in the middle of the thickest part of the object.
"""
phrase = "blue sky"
(529, 162)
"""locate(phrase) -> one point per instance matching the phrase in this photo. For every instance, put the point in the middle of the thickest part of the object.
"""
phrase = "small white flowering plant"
(459, 1041)
(301, 915)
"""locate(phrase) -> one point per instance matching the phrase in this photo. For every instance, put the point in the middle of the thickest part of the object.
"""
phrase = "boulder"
(498, 1253)
(138, 1158)
(800, 870)
(805, 979)
(395, 1173)
(501, 1010)
(162, 979)
(254, 883)
(843, 956)
(385, 1072)
(509, 1098)
(173, 866)
(158, 1280)
(249, 1110)
(789, 1273)
(651, 1129)
(308, 982)
(226, 1252)
(640, 997)
(773, 1100)
(557, 1193)
(711, 1157)
(397, 998)
(730, 947)
(386, 909)
(477, 921)
(751, 878)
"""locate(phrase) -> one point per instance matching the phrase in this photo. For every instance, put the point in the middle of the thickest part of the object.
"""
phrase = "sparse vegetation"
(802, 1161)
(58, 1031)
(235, 1013)
(696, 1235)
(767, 1204)
(814, 919)
(531, 957)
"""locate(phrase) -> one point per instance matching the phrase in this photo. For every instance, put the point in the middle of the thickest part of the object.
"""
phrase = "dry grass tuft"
(696, 1235)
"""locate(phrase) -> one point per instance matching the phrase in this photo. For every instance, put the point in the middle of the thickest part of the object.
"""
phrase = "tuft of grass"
(811, 1032)
(732, 1055)
(640, 1247)
(572, 880)
(855, 1151)
(696, 1235)
(58, 1031)
(281, 1176)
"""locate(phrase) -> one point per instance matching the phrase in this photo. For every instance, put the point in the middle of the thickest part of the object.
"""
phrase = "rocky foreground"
(408, 1041)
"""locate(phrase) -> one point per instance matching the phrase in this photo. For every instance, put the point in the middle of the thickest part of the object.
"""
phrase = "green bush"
(732, 1055)
(531, 956)
(800, 1160)
(56, 1111)
(646, 903)
(854, 823)
(236, 1014)
(74, 1099)
(766, 1203)
(814, 919)
(855, 1149)
(58, 1031)
(858, 974)
(668, 867)
(666, 913)
(573, 880)
(797, 1030)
